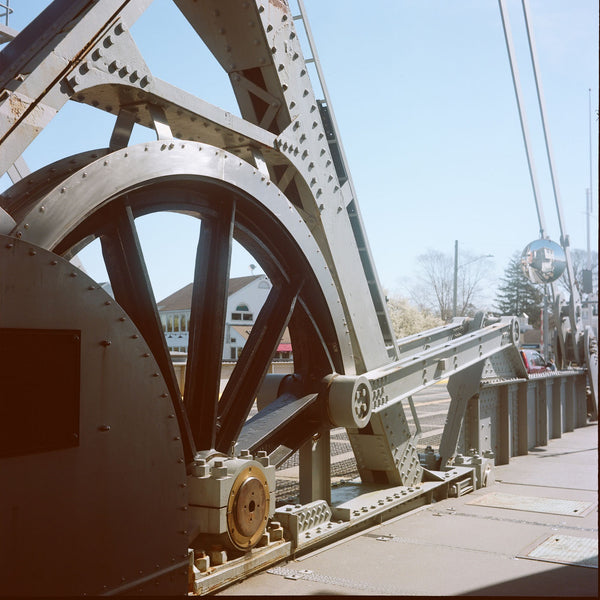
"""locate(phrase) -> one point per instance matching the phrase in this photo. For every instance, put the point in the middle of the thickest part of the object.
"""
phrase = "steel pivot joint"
(350, 401)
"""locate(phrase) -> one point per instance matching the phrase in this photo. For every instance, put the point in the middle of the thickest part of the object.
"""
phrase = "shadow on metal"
(568, 581)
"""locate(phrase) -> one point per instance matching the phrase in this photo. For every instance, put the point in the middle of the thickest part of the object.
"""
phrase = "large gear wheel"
(234, 201)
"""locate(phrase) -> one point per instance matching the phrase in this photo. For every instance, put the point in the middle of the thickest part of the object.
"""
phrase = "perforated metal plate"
(566, 549)
(573, 508)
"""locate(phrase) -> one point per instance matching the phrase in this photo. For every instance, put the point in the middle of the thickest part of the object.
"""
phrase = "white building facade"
(246, 296)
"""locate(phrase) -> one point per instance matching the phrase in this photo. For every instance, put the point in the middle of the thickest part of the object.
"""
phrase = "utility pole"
(454, 297)
(455, 290)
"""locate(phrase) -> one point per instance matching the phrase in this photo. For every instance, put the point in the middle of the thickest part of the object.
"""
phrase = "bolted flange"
(350, 401)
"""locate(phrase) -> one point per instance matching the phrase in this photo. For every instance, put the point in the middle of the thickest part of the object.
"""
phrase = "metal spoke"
(312, 357)
(243, 385)
(207, 326)
(132, 289)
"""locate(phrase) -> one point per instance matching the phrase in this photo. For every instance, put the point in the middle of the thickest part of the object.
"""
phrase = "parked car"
(534, 361)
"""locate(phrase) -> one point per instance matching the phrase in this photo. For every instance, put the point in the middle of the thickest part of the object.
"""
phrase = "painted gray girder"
(258, 46)
(244, 42)
(35, 65)
(388, 445)
(116, 85)
(76, 59)
(424, 340)
(413, 373)
(7, 34)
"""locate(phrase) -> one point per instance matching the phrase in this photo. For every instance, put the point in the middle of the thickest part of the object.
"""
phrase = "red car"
(534, 361)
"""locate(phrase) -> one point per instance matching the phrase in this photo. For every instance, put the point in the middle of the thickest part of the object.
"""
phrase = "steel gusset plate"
(234, 201)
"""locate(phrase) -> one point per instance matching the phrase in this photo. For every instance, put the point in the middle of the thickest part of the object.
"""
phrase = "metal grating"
(287, 491)
(553, 506)
(568, 550)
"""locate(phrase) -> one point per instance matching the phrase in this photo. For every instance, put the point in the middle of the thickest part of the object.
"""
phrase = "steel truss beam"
(97, 62)
(272, 181)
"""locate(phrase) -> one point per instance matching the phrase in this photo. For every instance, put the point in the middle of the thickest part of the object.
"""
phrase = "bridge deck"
(534, 532)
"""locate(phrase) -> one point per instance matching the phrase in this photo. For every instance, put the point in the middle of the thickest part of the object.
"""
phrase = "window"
(537, 360)
(242, 313)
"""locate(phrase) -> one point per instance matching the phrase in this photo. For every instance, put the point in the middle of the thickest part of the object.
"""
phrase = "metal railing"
(5, 11)
(509, 418)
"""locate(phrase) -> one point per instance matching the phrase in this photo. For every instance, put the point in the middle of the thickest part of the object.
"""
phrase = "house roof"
(285, 343)
(245, 330)
(182, 299)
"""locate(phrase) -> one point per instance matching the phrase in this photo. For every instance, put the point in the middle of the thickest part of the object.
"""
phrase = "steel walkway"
(534, 532)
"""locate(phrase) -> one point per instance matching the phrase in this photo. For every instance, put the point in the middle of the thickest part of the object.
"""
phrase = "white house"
(246, 296)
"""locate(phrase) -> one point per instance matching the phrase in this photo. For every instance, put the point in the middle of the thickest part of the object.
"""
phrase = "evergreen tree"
(517, 295)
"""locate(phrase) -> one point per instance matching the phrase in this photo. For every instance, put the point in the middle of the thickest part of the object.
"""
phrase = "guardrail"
(5, 11)
(509, 418)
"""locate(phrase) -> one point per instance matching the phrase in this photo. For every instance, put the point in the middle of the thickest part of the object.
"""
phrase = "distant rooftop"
(182, 299)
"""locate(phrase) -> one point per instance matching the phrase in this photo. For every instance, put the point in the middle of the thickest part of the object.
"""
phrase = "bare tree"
(579, 262)
(434, 288)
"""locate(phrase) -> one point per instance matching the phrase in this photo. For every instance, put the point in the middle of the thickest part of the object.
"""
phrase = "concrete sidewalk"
(534, 532)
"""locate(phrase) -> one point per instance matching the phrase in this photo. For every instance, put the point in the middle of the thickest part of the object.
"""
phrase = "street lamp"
(454, 298)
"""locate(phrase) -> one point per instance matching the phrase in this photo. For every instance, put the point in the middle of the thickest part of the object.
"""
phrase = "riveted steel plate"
(566, 549)
(118, 485)
(554, 506)
(49, 417)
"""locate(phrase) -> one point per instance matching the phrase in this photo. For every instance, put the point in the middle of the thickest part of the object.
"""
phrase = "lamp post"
(456, 267)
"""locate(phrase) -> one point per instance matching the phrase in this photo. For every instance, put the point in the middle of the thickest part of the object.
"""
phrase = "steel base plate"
(572, 508)
(566, 550)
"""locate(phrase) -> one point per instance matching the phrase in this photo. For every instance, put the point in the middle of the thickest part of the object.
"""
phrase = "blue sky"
(423, 97)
